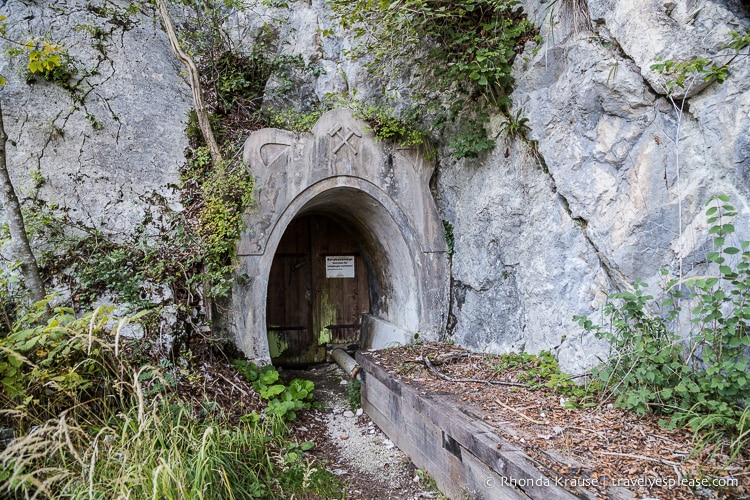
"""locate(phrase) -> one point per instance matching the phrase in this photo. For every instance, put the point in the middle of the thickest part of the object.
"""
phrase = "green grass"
(118, 434)
(166, 453)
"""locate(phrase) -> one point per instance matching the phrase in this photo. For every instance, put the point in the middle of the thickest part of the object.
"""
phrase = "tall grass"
(164, 453)
(116, 439)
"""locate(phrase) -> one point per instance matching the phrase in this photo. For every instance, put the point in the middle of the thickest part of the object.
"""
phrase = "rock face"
(105, 151)
(627, 165)
(615, 190)
(624, 176)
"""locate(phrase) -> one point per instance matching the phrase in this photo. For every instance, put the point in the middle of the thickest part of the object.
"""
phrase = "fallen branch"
(440, 375)
(440, 360)
(637, 457)
(233, 384)
(519, 413)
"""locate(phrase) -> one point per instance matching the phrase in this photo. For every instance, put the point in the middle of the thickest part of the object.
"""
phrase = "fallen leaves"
(601, 446)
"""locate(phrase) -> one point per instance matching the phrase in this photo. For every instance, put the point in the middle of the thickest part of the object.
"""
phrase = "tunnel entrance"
(317, 292)
(344, 245)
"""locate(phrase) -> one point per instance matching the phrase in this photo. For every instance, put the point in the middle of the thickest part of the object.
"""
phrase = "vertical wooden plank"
(300, 295)
(288, 303)
(337, 301)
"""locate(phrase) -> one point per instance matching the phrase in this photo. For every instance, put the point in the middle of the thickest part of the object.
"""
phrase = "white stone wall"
(138, 96)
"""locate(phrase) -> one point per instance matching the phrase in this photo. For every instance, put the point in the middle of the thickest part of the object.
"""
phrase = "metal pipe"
(346, 362)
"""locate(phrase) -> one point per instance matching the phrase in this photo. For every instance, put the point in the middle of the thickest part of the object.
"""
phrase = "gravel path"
(357, 450)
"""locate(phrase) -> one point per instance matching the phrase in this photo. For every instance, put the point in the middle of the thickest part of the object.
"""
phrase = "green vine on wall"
(682, 74)
(223, 192)
(461, 48)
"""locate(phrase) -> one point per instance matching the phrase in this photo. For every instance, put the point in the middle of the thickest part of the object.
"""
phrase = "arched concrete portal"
(379, 192)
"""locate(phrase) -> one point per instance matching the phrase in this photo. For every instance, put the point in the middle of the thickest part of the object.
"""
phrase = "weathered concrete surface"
(101, 174)
(379, 191)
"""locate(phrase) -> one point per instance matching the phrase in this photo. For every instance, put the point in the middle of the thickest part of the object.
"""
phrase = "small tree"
(19, 238)
(9, 201)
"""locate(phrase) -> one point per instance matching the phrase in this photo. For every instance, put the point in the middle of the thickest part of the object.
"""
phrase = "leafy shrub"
(284, 401)
(466, 46)
(219, 195)
(241, 79)
(291, 119)
(52, 361)
(471, 141)
(542, 371)
(385, 124)
(227, 192)
(113, 267)
(463, 51)
(703, 380)
(647, 362)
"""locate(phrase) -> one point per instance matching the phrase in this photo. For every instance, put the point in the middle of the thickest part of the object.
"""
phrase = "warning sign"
(340, 266)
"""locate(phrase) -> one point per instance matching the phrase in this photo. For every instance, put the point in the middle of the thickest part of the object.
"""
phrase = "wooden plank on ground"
(457, 446)
(425, 444)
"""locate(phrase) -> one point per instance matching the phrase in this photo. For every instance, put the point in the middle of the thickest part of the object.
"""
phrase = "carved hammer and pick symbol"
(338, 131)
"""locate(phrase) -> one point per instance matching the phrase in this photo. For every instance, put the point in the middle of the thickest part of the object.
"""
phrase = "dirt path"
(352, 445)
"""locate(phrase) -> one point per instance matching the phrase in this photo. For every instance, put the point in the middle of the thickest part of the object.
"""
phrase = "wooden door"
(310, 305)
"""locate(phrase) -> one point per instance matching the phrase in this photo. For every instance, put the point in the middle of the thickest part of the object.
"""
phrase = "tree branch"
(434, 370)
(195, 84)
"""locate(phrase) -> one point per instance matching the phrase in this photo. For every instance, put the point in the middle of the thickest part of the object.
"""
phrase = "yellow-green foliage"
(52, 360)
(226, 191)
(44, 56)
(291, 119)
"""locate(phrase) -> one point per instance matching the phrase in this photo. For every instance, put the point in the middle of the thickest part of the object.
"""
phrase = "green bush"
(386, 124)
(461, 48)
(703, 380)
(53, 361)
(471, 140)
(291, 119)
(542, 371)
(221, 193)
(284, 401)
(462, 52)
(647, 358)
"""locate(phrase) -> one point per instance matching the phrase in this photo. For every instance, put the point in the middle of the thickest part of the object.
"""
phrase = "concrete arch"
(378, 192)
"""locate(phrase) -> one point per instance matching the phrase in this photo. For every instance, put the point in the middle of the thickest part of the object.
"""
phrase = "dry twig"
(637, 457)
(443, 376)
(519, 413)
